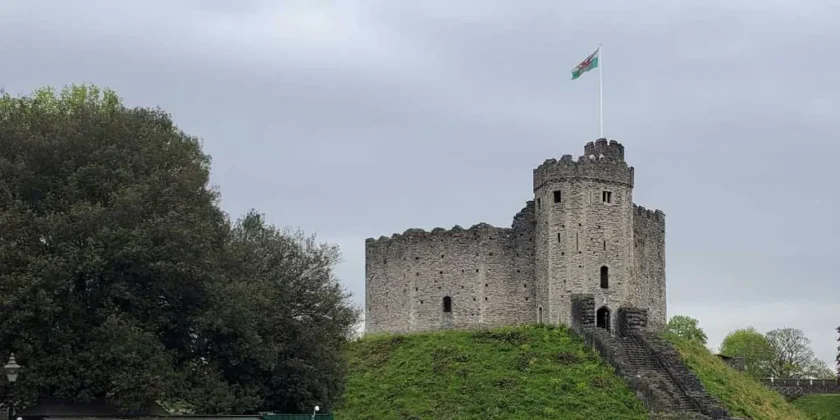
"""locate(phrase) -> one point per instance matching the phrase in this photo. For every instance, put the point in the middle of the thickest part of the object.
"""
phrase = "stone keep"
(581, 234)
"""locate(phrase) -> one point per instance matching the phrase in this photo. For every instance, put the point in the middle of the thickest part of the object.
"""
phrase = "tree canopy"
(783, 353)
(121, 277)
(687, 328)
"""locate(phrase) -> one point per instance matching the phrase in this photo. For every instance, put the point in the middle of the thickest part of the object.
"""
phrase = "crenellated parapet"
(478, 230)
(657, 215)
(604, 167)
(650, 221)
(612, 150)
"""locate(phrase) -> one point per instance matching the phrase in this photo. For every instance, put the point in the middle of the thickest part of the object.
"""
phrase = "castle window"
(447, 304)
(539, 315)
(606, 196)
(605, 245)
(558, 237)
(557, 196)
(605, 277)
(539, 204)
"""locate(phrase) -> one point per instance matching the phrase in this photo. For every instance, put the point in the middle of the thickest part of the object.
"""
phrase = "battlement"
(657, 215)
(476, 230)
(607, 165)
(612, 150)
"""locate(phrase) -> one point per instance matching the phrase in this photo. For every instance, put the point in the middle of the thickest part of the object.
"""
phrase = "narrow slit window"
(605, 245)
(558, 237)
(577, 242)
(539, 204)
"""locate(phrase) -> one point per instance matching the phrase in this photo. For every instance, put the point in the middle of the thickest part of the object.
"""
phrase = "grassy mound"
(819, 407)
(740, 394)
(532, 372)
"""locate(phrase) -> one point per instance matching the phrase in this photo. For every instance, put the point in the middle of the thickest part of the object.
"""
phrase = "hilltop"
(529, 372)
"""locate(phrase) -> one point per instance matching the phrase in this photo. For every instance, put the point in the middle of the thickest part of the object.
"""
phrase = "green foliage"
(686, 328)
(838, 355)
(783, 353)
(753, 347)
(533, 372)
(739, 393)
(120, 277)
(793, 357)
(819, 407)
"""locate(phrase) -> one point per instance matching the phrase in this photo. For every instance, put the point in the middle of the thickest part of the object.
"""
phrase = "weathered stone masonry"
(581, 234)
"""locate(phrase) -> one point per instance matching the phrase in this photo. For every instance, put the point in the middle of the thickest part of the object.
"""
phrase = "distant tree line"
(783, 353)
(121, 278)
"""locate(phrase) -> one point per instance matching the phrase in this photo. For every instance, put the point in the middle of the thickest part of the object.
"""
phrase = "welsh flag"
(589, 63)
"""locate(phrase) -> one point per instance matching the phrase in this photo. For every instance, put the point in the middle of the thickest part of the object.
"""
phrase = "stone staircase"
(665, 394)
(652, 367)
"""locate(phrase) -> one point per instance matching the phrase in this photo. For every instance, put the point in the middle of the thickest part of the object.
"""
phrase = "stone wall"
(632, 320)
(649, 252)
(793, 388)
(486, 271)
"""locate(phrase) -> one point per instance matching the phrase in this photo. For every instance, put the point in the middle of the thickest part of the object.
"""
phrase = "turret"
(584, 230)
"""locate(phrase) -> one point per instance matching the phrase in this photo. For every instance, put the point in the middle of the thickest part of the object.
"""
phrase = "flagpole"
(601, 90)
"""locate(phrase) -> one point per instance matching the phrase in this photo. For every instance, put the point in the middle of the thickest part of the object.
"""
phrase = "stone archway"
(602, 318)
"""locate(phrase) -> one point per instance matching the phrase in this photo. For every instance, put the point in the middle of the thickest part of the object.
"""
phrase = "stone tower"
(584, 233)
(581, 234)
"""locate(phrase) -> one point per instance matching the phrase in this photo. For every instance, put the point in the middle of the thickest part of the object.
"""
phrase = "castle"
(581, 234)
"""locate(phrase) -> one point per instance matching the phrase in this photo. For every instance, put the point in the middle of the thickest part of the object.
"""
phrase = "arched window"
(447, 304)
(605, 277)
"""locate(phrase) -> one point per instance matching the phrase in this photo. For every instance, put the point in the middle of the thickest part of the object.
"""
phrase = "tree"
(121, 278)
(280, 318)
(792, 355)
(838, 355)
(783, 353)
(686, 328)
(753, 347)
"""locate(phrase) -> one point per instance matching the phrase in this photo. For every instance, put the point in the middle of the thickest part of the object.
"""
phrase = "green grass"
(533, 372)
(819, 407)
(739, 393)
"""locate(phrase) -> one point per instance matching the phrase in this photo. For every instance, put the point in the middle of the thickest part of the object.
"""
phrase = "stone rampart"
(451, 279)
(649, 254)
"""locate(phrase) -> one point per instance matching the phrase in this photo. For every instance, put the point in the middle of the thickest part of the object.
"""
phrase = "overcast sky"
(360, 119)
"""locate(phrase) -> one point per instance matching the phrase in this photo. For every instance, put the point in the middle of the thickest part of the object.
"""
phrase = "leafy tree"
(121, 278)
(783, 353)
(284, 320)
(686, 328)
(792, 355)
(753, 347)
(838, 355)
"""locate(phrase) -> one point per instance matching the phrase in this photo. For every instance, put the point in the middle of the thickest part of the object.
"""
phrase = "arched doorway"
(602, 318)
